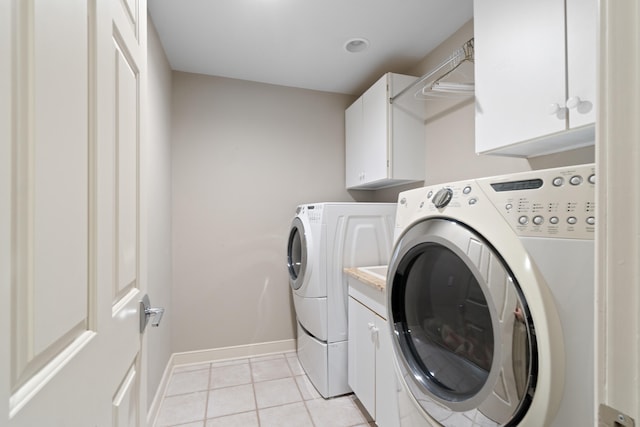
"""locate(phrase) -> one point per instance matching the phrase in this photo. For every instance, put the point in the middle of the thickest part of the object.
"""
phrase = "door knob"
(146, 312)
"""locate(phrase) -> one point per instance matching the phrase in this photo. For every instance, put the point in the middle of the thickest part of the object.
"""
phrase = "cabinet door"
(520, 70)
(375, 103)
(582, 21)
(362, 355)
(387, 414)
(354, 144)
(406, 136)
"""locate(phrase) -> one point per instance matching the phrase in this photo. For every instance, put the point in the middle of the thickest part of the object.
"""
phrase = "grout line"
(253, 387)
(304, 401)
(206, 402)
(255, 397)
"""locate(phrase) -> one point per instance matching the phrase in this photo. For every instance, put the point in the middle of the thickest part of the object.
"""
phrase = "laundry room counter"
(374, 276)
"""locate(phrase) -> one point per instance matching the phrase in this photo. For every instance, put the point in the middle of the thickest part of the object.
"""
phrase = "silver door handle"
(146, 311)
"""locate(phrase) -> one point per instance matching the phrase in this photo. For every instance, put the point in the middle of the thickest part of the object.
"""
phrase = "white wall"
(244, 156)
(159, 209)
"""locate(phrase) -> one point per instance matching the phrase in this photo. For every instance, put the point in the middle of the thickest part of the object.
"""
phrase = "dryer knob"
(442, 197)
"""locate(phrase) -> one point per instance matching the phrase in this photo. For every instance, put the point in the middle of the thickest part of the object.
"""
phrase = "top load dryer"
(324, 239)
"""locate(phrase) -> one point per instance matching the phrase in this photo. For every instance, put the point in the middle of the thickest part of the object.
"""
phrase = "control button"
(591, 220)
(403, 201)
(538, 220)
(429, 194)
(572, 220)
(575, 180)
(467, 189)
(558, 181)
(592, 178)
(442, 197)
(554, 220)
(473, 201)
(523, 220)
(508, 206)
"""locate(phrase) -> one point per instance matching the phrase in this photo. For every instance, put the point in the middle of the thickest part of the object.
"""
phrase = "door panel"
(71, 223)
(125, 405)
(50, 210)
(126, 86)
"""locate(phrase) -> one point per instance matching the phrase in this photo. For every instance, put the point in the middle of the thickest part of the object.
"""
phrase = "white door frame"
(617, 313)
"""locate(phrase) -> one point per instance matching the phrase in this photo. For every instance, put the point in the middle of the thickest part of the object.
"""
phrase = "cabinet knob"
(557, 110)
(573, 102)
(581, 106)
(554, 109)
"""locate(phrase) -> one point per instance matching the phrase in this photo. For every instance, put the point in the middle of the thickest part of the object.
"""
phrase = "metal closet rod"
(465, 53)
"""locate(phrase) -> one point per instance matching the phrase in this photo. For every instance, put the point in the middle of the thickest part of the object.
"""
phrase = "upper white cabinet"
(384, 143)
(535, 75)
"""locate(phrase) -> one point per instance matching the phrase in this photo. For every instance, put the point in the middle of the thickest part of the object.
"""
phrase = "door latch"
(609, 417)
(146, 312)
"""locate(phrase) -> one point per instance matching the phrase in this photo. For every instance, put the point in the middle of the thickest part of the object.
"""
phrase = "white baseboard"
(212, 355)
(235, 352)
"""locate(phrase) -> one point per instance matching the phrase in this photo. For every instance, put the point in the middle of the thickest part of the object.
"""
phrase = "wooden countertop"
(364, 277)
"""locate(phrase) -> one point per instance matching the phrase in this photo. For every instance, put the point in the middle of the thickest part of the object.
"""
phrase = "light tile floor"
(266, 391)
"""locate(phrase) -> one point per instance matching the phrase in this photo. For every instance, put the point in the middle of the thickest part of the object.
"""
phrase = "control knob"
(442, 197)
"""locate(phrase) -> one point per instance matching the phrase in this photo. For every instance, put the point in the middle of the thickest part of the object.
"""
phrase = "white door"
(71, 220)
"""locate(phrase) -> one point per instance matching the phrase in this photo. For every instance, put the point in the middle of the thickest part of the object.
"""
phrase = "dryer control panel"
(556, 202)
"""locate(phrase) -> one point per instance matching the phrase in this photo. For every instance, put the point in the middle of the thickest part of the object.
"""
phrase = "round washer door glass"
(296, 254)
(461, 327)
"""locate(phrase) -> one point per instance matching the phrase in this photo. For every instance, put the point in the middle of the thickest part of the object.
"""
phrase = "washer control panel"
(557, 202)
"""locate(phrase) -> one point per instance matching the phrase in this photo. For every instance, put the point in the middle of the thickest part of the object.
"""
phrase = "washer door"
(297, 254)
(462, 332)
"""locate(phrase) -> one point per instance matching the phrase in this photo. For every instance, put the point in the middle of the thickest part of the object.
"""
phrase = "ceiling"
(300, 43)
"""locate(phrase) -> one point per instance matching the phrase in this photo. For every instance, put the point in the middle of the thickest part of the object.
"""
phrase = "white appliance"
(324, 239)
(491, 301)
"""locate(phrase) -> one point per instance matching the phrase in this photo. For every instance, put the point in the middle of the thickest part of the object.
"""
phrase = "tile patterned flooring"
(265, 391)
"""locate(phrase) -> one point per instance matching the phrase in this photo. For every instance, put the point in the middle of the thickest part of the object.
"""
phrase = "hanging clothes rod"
(465, 53)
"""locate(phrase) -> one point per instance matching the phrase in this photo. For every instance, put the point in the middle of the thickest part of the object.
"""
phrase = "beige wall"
(159, 220)
(244, 156)
(450, 138)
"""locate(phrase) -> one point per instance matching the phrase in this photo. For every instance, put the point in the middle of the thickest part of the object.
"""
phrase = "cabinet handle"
(557, 110)
(574, 102)
(554, 109)
(374, 331)
(581, 106)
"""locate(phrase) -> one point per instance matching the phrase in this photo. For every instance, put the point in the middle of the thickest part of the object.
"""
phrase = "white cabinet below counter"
(371, 372)
(535, 75)
(384, 144)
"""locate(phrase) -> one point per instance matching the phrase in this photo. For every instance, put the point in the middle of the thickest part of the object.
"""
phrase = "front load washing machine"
(324, 239)
(491, 301)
